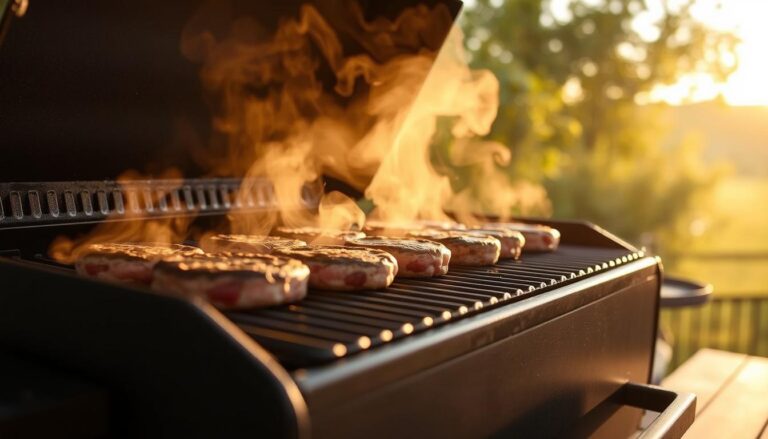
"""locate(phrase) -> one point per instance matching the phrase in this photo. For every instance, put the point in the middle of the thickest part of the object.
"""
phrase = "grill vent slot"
(17, 208)
(85, 200)
(23, 204)
(202, 203)
(53, 203)
(35, 208)
(175, 200)
(212, 196)
(117, 198)
(69, 203)
(101, 199)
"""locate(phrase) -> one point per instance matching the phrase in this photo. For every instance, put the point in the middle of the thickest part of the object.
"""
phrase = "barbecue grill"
(539, 346)
(553, 344)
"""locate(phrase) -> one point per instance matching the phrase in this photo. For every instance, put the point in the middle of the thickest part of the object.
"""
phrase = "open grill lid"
(89, 89)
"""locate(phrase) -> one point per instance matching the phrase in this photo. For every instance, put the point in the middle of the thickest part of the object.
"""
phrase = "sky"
(748, 85)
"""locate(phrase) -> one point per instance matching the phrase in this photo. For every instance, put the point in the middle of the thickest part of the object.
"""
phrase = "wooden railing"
(732, 323)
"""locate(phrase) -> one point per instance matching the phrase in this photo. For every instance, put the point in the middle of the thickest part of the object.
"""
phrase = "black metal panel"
(38, 401)
(173, 368)
(92, 88)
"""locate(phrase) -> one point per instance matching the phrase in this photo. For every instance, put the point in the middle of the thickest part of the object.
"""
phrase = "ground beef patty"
(415, 257)
(512, 241)
(538, 237)
(234, 280)
(258, 244)
(466, 249)
(344, 268)
(128, 262)
(317, 236)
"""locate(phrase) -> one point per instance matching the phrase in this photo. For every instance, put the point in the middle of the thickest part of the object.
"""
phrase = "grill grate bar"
(298, 328)
(346, 300)
(535, 280)
(355, 311)
(448, 299)
(532, 269)
(498, 280)
(295, 348)
(332, 324)
(392, 325)
(370, 297)
(457, 288)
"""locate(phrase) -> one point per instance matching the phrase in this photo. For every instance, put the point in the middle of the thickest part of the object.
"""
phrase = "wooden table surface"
(732, 391)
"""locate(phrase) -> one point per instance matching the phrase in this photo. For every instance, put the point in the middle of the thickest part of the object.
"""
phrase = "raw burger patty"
(128, 262)
(538, 237)
(234, 281)
(343, 268)
(259, 244)
(415, 257)
(317, 236)
(466, 249)
(512, 241)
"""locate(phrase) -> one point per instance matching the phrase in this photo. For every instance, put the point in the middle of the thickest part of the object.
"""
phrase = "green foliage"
(569, 113)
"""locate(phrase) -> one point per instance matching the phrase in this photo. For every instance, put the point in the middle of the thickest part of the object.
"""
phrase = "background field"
(732, 253)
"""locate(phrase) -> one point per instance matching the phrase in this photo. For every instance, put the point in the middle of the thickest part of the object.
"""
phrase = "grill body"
(535, 347)
(535, 368)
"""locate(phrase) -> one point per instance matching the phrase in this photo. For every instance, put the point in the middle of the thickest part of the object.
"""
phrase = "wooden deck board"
(705, 374)
(732, 391)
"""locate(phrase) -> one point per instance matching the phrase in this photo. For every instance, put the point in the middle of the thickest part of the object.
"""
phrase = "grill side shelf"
(61, 203)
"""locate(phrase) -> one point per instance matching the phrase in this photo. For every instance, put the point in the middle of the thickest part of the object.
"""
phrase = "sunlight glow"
(746, 86)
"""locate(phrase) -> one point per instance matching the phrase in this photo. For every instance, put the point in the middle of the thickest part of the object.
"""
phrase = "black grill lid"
(91, 88)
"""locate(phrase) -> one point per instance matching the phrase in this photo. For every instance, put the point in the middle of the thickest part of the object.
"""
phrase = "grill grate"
(330, 325)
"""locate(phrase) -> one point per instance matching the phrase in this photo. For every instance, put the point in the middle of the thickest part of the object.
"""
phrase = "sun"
(747, 85)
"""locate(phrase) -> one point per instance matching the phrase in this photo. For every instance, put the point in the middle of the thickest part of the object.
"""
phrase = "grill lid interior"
(91, 88)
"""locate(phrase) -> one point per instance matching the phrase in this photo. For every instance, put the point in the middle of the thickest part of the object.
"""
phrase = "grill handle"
(676, 410)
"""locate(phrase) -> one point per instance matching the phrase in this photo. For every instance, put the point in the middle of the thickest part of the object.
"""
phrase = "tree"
(571, 79)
